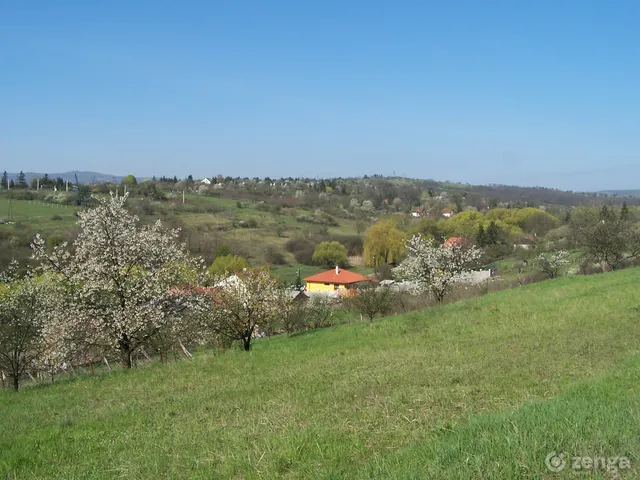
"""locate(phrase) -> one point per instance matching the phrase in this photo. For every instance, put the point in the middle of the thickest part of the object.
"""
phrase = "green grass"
(31, 211)
(483, 388)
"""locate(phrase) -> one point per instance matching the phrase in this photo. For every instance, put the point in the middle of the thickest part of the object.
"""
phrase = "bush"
(222, 250)
(228, 264)
(353, 243)
(385, 272)
(56, 218)
(251, 223)
(330, 254)
(295, 244)
(372, 300)
(274, 256)
(302, 249)
(318, 218)
(305, 256)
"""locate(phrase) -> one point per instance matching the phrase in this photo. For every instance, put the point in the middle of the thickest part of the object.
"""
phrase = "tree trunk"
(246, 343)
(125, 347)
(127, 358)
(16, 382)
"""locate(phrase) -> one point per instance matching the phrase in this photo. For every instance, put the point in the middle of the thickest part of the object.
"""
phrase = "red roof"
(459, 241)
(342, 277)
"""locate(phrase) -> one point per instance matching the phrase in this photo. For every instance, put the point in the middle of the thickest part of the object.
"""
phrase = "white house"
(447, 212)
(205, 181)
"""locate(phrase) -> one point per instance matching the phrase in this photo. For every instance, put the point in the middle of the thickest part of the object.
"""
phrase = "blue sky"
(531, 93)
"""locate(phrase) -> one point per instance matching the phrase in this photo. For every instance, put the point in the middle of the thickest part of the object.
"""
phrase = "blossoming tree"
(23, 309)
(244, 305)
(552, 262)
(119, 276)
(436, 268)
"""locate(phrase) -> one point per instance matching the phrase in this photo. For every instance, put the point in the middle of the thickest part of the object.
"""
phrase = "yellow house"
(338, 280)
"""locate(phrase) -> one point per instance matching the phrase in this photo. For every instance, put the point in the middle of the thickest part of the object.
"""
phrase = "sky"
(541, 93)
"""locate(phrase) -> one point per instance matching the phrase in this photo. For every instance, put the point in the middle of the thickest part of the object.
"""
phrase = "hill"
(484, 388)
(621, 193)
(83, 177)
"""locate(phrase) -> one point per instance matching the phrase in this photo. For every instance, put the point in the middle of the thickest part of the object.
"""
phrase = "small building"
(205, 181)
(447, 212)
(456, 241)
(298, 296)
(419, 212)
(338, 280)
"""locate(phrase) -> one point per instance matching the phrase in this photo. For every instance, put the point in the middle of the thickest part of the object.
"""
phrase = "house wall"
(321, 287)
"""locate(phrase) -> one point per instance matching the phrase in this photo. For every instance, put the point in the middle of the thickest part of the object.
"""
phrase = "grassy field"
(32, 211)
(483, 388)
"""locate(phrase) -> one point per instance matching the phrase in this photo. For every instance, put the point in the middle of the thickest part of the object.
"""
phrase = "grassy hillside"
(483, 388)
(34, 212)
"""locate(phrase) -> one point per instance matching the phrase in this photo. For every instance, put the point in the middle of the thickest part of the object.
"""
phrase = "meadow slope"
(483, 388)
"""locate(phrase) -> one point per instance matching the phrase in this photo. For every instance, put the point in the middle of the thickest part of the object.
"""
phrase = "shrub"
(57, 218)
(330, 254)
(222, 250)
(385, 272)
(274, 256)
(227, 264)
(353, 243)
(251, 223)
(304, 256)
(372, 300)
(295, 244)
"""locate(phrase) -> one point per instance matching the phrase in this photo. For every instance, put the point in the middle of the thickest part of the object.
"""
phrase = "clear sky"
(531, 93)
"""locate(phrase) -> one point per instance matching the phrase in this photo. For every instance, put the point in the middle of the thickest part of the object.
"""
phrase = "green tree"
(383, 243)
(5, 180)
(459, 201)
(624, 212)
(492, 235)
(481, 237)
(605, 236)
(372, 300)
(228, 264)
(330, 254)
(22, 180)
(129, 180)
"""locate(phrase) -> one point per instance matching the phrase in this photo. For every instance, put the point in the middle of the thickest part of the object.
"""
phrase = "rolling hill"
(83, 177)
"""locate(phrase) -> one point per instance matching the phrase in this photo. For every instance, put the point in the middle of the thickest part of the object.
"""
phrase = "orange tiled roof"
(454, 241)
(343, 277)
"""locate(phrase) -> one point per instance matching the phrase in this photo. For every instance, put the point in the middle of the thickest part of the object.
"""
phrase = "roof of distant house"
(338, 276)
(447, 210)
(454, 241)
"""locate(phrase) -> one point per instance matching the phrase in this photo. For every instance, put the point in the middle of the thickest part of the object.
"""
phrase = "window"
(336, 286)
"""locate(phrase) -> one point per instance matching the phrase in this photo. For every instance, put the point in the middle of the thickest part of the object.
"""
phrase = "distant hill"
(621, 193)
(83, 177)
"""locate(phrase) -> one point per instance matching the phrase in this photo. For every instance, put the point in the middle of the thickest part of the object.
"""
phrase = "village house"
(447, 212)
(458, 241)
(336, 281)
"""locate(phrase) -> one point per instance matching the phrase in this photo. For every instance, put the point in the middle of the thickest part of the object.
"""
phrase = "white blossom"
(119, 277)
(436, 268)
(23, 318)
(552, 262)
(245, 305)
